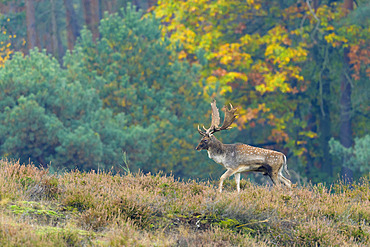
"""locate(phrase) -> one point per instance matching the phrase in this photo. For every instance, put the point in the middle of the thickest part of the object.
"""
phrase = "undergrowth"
(101, 209)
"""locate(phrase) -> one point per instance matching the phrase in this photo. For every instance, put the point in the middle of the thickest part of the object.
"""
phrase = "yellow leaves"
(225, 79)
(5, 51)
(334, 39)
(274, 81)
(279, 50)
(123, 102)
(245, 39)
(309, 134)
(232, 76)
(270, 49)
(226, 59)
(186, 37)
(226, 89)
(211, 80)
(329, 28)
(182, 54)
(232, 54)
(199, 24)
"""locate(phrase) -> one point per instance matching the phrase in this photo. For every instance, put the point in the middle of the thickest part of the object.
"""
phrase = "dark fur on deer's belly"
(252, 168)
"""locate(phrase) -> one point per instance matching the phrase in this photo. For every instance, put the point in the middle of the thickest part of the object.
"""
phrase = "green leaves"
(139, 77)
(125, 92)
(356, 158)
(47, 117)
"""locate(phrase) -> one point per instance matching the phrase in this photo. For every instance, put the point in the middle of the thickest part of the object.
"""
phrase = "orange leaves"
(246, 115)
(240, 28)
(278, 136)
(357, 58)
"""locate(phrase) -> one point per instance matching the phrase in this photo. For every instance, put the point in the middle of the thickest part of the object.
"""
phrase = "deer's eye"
(205, 141)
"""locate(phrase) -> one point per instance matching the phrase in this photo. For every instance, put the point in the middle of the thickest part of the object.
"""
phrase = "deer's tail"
(286, 167)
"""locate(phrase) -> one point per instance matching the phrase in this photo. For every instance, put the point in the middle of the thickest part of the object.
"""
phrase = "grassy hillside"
(99, 209)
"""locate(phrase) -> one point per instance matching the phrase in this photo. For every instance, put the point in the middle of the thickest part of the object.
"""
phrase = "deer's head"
(207, 134)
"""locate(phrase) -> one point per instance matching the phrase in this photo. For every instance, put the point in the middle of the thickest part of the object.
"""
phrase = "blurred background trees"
(86, 81)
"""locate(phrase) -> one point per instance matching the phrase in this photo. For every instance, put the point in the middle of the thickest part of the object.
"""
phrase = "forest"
(121, 86)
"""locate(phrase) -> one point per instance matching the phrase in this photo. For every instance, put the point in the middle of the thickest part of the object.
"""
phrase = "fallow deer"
(238, 158)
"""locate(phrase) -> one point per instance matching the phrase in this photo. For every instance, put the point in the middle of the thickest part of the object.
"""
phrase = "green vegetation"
(137, 80)
(128, 94)
(125, 93)
(101, 209)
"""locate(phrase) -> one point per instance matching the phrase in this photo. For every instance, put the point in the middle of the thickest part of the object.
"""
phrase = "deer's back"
(247, 155)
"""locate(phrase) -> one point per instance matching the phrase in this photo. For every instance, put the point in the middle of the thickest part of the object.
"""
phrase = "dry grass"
(101, 209)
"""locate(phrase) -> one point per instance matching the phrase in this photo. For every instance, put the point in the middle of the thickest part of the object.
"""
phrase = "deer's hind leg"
(285, 181)
(274, 175)
(274, 178)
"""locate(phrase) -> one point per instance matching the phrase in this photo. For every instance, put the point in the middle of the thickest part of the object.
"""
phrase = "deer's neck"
(218, 152)
(216, 147)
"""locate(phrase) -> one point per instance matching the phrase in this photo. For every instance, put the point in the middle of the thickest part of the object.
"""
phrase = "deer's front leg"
(237, 180)
(227, 174)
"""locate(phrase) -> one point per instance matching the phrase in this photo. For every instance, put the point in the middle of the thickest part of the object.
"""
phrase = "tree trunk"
(321, 109)
(325, 124)
(110, 6)
(95, 11)
(346, 138)
(31, 26)
(91, 15)
(54, 30)
(73, 29)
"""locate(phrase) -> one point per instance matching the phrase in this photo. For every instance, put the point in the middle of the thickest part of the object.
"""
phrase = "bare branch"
(317, 19)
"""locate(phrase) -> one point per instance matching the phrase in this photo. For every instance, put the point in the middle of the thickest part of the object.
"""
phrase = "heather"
(99, 208)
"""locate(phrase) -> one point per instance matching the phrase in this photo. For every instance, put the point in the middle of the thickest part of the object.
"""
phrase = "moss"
(229, 223)
(32, 208)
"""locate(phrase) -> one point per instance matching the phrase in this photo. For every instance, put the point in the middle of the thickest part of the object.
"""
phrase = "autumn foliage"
(276, 60)
(298, 72)
(5, 50)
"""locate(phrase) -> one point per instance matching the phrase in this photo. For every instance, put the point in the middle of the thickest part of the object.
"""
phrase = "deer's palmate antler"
(228, 120)
(238, 158)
